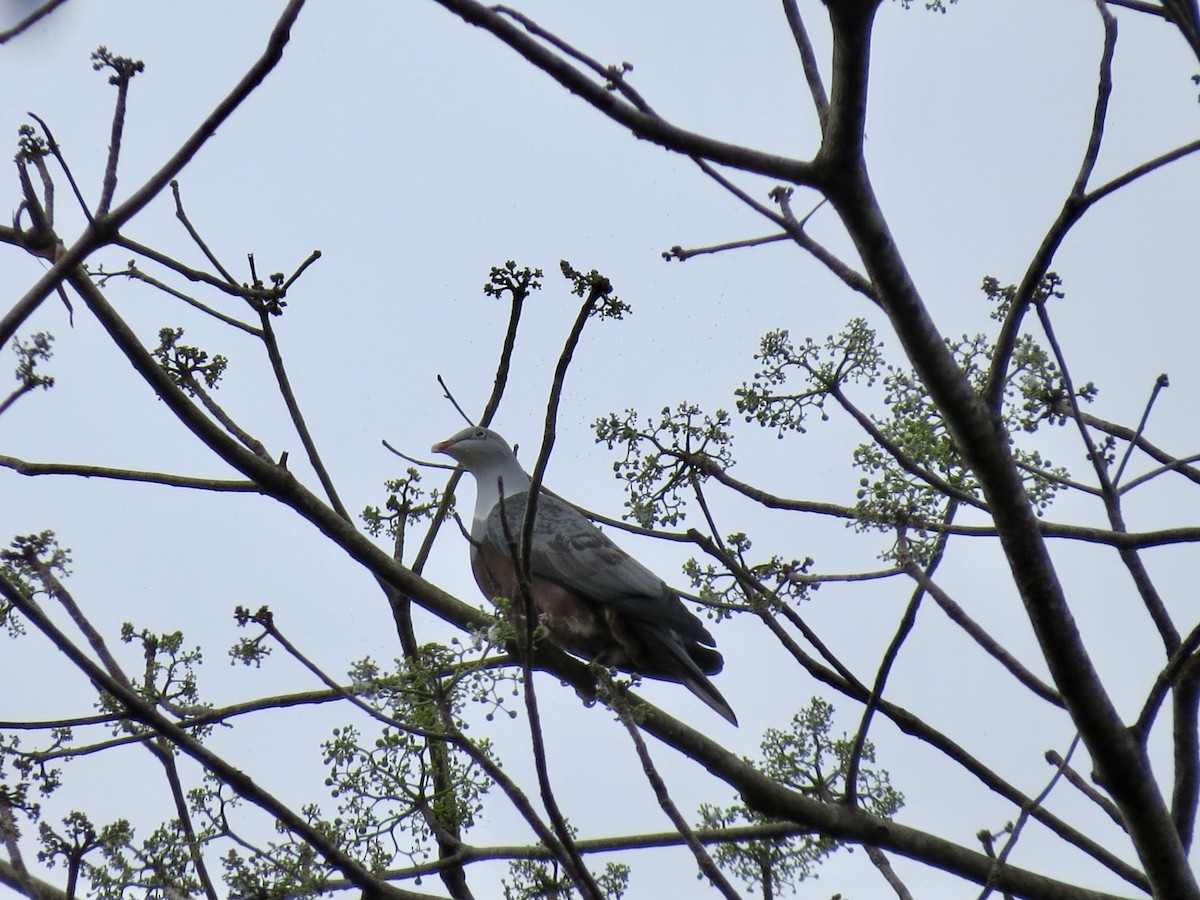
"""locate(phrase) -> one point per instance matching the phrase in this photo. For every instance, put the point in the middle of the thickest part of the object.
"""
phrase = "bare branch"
(163, 751)
(683, 255)
(1182, 657)
(989, 644)
(614, 75)
(1081, 784)
(851, 278)
(1015, 833)
(1159, 383)
(125, 70)
(138, 275)
(100, 231)
(903, 629)
(449, 395)
(904, 460)
(880, 861)
(1180, 465)
(32, 19)
(1112, 502)
(9, 836)
(523, 550)
(1073, 208)
(703, 859)
(644, 125)
(1137, 172)
(182, 216)
(297, 416)
(184, 481)
(808, 59)
(233, 290)
(142, 711)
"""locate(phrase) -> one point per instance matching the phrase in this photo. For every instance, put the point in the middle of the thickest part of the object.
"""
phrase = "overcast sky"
(415, 152)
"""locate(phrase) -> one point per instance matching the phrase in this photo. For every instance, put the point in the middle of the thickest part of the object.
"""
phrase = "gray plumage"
(594, 599)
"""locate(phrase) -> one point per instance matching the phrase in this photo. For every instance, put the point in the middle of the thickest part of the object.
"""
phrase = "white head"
(484, 454)
(488, 457)
(478, 450)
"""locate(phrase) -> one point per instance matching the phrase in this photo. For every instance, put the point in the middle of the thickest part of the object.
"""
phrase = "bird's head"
(477, 450)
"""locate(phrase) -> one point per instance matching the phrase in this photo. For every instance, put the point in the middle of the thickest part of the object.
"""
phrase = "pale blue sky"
(415, 152)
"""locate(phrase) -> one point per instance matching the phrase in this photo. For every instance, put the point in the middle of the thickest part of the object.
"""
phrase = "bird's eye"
(480, 432)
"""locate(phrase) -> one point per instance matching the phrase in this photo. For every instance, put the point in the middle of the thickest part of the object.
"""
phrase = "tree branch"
(703, 859)
(32, 19)
(140, 710)
(103, 230)
(643, 125)
(808, 59)
(183, 481)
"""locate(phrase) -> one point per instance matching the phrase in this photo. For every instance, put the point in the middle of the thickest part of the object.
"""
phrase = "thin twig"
(654, 840)
(1080, 784)
(1073, 208)
(903, 630)
(125, 70)
(980, 635)
(52, 146)
(300, 270)
(1163, 683)
(853, 279)
(1022, 819)
(903, 459)
(16, 395)
(1183, 466)
(683, 255)
(703, 859)
(1151, 599)
(33, 18)
(1159, 383)
(297, 416)
(39, 163)
(138, 275)
(100, 232)
(447, 394)
(1138, 171)
(9, 835)
(601, 287)
(613, 75)
(140, 710)
(184, 481)
(523, 551)
(599, 93)
(182, 216)
(166, 756)
(423, 463)
(218, 412)
(518, 293)
(59, 592)
(808, 59)
(1141, 6)
(880, 861)
(196, 275)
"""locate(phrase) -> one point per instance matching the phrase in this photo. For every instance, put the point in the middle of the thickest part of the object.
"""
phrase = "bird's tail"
(703, 688)
(687, 672)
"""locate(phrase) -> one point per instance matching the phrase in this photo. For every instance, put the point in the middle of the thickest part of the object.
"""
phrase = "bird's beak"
(442, 446)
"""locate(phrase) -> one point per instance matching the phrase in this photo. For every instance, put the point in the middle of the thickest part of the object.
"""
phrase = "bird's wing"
(569, 550)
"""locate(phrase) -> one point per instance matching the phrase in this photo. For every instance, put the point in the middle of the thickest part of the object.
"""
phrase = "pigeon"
(594, 600)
